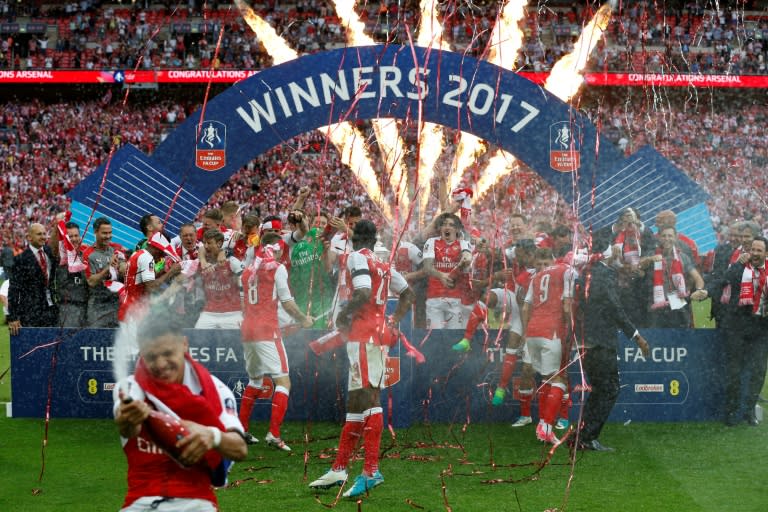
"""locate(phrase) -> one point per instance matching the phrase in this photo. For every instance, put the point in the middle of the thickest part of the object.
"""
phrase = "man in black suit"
(30, 300)
(601, 313)
(745, 327)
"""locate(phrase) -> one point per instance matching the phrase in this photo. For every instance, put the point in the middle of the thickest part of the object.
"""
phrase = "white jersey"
(341, 244)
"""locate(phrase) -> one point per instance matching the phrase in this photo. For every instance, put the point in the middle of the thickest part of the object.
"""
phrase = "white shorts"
(447, 313)
(228, 320)
(507, 308)
(367, 365)
(265, 358)
(544, 354)
(160, 504)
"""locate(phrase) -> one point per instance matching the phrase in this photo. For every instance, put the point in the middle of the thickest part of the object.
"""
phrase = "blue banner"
(360, 83)
(680, 381)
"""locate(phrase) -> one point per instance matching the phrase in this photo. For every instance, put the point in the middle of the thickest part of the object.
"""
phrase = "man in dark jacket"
(746, 334)
(601, 313)
(735, 250)
(30, 296)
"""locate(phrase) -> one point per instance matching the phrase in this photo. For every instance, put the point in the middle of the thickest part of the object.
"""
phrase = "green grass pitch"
(678, 467)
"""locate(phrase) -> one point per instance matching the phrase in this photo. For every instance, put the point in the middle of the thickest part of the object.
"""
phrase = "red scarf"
(677, 277)
(725, 297)
(204, 408)
(630, 246)
(753, 282)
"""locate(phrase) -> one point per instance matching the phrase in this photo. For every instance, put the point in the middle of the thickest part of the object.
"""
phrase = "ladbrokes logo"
(564, 146)
(210, 150)
(649, 388)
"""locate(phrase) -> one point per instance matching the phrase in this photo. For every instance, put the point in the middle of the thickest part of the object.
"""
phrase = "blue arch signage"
(359, 83)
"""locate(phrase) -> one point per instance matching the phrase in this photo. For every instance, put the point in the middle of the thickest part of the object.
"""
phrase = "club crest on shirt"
(564, 146)
(211, 145)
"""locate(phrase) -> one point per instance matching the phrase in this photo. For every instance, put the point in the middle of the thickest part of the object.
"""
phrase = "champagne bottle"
(165, 431)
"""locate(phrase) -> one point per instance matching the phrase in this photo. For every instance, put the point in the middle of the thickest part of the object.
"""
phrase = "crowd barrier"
(68, 374)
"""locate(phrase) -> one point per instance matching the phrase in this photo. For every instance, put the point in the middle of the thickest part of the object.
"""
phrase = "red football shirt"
(546, 293)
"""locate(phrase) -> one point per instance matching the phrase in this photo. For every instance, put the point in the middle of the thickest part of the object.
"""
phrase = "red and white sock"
(476, 317)
(551, 403)
(508, 367)
(246, 404)
(279, 408)
(526, 398)
(266, 388)
(372, 428)
(350, 437)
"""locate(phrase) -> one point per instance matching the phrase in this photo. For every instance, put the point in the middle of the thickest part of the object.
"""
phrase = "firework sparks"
(506, 39)
(387, 132)
(277, 46)
(349, 141)
(564, 82)
(565, 79)
(505, 43)
(430, 139)
(499, 165)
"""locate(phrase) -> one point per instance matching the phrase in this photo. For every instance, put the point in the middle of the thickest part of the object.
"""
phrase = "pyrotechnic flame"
(506, 41)
(565, 78)
(349, 141)
(507, 38)
(430, 33)
(468, 150)
(356, 36)
(430, 138)
(387, 132)
(564, 81)
(277, 46)
(431, 142)
(499, 165)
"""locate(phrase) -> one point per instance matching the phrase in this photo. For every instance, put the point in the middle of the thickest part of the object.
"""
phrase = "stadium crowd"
(721, 147)
(681, 37)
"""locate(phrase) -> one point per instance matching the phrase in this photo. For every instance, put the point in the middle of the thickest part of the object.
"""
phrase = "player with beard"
(141, 277)
(105, 264)
(69, 275)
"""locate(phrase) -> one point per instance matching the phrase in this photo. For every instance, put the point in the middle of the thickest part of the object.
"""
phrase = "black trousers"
(602, 370)
(746, 353)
